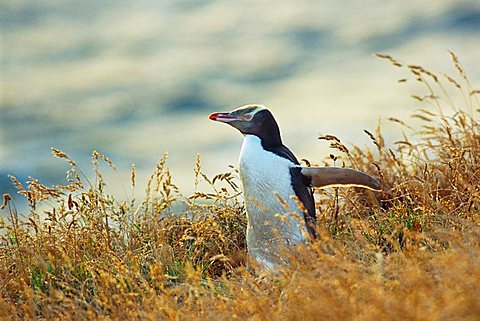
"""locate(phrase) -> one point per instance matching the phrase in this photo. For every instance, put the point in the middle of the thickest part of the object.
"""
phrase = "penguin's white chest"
(265, 177)
(263, 173)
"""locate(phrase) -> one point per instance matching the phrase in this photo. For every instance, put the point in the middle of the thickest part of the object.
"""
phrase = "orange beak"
(223, 117)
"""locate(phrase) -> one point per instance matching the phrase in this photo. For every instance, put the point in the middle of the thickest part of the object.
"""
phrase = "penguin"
(277, 191)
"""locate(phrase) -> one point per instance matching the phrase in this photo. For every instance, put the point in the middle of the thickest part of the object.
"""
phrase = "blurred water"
(135, 79)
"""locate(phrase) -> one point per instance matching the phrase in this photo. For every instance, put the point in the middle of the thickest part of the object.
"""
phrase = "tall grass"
(411, 252)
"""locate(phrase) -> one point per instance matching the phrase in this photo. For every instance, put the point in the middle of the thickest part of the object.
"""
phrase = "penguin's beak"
(224, 117)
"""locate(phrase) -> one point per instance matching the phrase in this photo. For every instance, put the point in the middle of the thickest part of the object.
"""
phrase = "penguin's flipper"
(338, 176)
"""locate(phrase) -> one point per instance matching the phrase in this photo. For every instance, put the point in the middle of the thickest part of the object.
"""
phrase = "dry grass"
(414, 257)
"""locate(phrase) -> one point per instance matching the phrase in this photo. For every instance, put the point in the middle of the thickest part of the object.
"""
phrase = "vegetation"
(411, 252)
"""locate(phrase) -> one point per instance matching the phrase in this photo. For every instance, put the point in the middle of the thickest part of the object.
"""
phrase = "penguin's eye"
(247, 117)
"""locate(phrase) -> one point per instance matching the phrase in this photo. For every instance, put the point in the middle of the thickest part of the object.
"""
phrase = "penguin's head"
(250, 120)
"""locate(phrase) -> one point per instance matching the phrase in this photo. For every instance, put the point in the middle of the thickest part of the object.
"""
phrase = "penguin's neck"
(269, 135)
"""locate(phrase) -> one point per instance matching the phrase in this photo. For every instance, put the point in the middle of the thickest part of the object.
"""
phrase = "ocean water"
(136, 79)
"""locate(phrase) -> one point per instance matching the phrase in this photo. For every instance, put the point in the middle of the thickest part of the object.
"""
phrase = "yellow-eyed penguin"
(274, 182)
